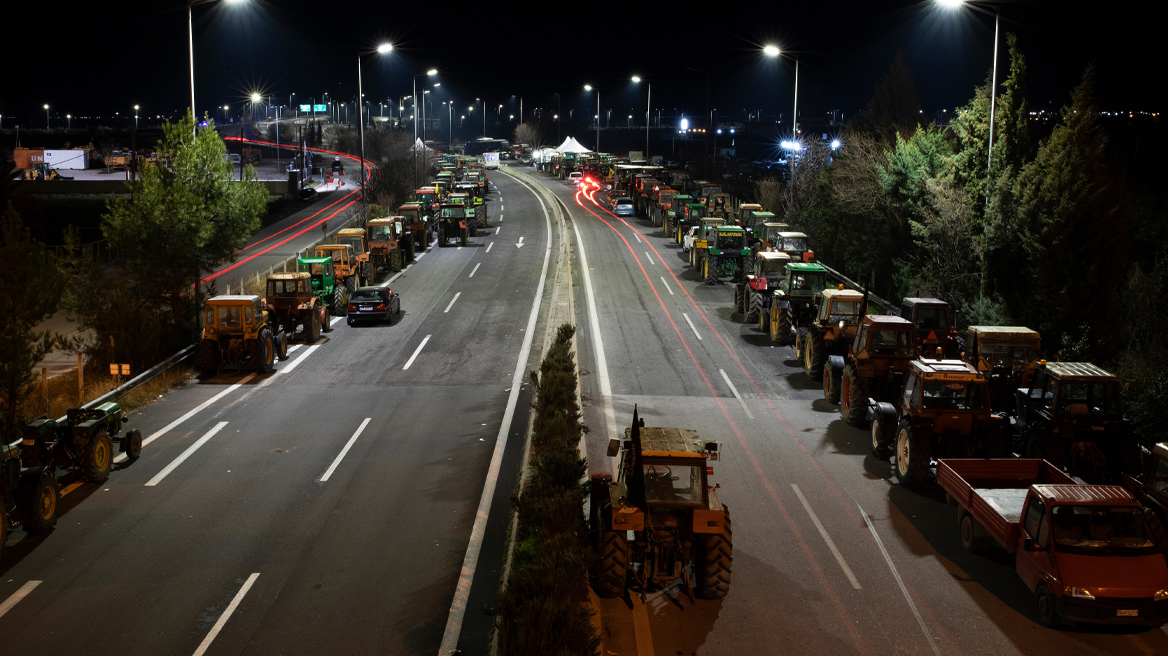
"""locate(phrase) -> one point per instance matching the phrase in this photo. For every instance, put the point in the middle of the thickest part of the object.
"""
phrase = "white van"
(490, 160)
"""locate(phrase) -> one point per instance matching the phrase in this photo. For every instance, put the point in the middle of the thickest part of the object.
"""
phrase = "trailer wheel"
(1044, 604)
(853, 396)
(38, 500)
(96, 457)
(973, 540)
(612, 567)
(914, 451)
(207, 357)
(133, 442)
(717, 554)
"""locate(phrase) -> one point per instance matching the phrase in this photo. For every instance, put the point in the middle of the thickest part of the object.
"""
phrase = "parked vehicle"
(1084, 551)
(935, 326)
(293, 303)
(1150, 488)
(1008, 356)
(237, 333)
(624, 207)
(373, 304)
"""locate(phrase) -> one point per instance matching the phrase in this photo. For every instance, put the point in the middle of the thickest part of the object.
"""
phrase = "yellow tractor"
(237, 331)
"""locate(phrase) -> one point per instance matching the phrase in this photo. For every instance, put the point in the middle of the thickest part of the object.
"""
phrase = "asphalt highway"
(325, 508)
(830, 556)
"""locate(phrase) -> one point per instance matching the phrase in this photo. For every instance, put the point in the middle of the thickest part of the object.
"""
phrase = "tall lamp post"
(430, 72)
(191, 47)
(773, 52)
(47, 126)
(648, 101)
(381, 49)
(956, 4)
(135, 117)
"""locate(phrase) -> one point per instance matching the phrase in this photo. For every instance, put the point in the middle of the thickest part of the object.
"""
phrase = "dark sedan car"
(373, 304)
(308, 194)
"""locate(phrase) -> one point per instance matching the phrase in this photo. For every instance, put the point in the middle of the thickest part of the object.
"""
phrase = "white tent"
(418, 145)
(570, 145)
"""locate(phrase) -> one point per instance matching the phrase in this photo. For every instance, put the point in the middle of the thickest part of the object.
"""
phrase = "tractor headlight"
(1161, 595)
(1078, 593)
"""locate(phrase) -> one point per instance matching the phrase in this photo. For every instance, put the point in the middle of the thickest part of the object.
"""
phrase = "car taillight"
(381, 307)
(352, 308)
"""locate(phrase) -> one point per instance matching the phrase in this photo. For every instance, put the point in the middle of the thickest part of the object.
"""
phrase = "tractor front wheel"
(263, 352)
(815, 355)
(914, 451)
(281, 343)
(853, 397)
(340, 301)
(465, 237)
(207, 357)
(612, 566)
(395, 261)
(717, 552)
(410, 249)
(311, 324)
(96, 457)
(38, 500)
(880, 447)
(326, 323)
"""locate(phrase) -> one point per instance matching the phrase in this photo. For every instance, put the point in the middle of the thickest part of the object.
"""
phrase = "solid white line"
(392, 278)
(489, 247)
(418, 256)
(472, 271)
(416, 352)
(826, 538)
(456, 295)
(185, 454)
(348, 445)
(296, 363)
(736, 394)
(650, 258)
(294, 347)
(497, 229)
(667, 287)
(478, 531)
(691, 325)
(888, 559)
(17, 596)
(226, 614)
(166, 429)
(638, 238)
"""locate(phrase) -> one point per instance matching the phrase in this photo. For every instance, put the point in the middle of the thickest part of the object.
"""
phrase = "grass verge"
(63, 391)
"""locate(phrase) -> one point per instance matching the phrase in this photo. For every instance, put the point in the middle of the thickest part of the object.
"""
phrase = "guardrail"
(137, 381)
(890, 308)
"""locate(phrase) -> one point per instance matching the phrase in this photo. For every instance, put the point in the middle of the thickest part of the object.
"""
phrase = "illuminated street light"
(191, 46)
(648, 110)
(835, 144)
(957, 4)
(46, 117)
(135, 117)
(771, 51)
(384, 48)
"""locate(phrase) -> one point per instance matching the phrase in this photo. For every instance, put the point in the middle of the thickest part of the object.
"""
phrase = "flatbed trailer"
(1085, 551)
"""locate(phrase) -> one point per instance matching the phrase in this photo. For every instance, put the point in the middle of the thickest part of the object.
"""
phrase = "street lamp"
(954, 5)
(431, 72)
(47, 117)
(381, 49)
(588, 87)
(773, 52)
(135, 117)
(191, 46)
(648, 100)
(69, 122)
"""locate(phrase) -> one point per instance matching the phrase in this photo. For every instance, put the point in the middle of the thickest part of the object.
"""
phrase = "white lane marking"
(478, 531)
(489, 247)
(736, 394)
(167, 428)
(226, 614)
(17, 596)
(294, 347)
(650, 258)
(459, 248)
(456, 295)
(691, 325)
(348, 445)
(185, 454)
(416, 352)
(839, 558)
(500, 217)
(418, 256)
(392, 278)
(296, 363)
(638, 238)
(520, 244)
(497, 229)
(900, 582)
(500, 207)
(667, 287)
(472, 271)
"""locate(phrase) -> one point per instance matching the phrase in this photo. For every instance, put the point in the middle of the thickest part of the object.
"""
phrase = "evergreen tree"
(1070, 208)
(970, 129)
(895, 108)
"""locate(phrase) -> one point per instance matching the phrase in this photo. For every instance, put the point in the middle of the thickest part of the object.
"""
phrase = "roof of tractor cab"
(290, 275)
(1004, 333)
(669, 442)
(409, 206)
(922, 301)
(233, 299)
(772, 224)
(384, 220)
(1078, 371)
(843, 294)
(350, 232)
(807, 267)
(750, 206)
(888, 322)
(333, 247)
(946, 369)
(791, 234)
(315, 260)
(773, 255)
(1161, 450)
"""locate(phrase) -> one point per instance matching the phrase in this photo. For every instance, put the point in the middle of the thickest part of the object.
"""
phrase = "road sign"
(306, 108)
(114, 369)
(311, 108)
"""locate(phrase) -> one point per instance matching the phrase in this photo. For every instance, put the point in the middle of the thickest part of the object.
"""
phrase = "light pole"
(135, 117)
(956, 4)
(47, 127)
(430, 72)
(191, 47)
(68, 121)
(381, 49)
(648, 100)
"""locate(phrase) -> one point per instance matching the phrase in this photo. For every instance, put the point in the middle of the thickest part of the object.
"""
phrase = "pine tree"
(970, 129)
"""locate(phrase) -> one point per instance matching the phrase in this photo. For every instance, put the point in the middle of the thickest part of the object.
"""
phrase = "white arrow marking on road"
(667, 287)
(348, 445)
(185, 454)
(456, 295)
(489, 247)
(416, 352)
(166, 429)
(17, 596)
(226, 614)
(691, 325)
(650, 258)
(520, 244)
(472, 271)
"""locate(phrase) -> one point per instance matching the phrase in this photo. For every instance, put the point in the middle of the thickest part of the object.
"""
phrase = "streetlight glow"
(637, 79)
(771, 51)
(835, 144)
(432, 71)
(255, 97)
(951, 4)
(384, 48)
(587, 87)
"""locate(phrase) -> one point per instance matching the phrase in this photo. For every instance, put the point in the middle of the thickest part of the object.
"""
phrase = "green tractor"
(675, 218)
(453, 224)
(793, 305)
(325, 286)
(726, 254)
(83, 444)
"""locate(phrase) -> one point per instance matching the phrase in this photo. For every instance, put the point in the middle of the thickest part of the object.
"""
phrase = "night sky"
(97, 58)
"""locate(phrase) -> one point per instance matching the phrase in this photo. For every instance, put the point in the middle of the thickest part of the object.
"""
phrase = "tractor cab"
(839, 311)
(289, 290)
(728, 240)
(354, 239)
(321, 272)
(694, 212)
(236, 328)
(884, 336)
(1008, 356)
(934, 325)
(795, 244)
(385, 229)
(769, 236)
(767, 271)
(459, 198)
(804, 279)
(745, 211)
(341, 254)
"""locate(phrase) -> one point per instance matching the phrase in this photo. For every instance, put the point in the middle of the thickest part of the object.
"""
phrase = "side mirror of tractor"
(613, 447)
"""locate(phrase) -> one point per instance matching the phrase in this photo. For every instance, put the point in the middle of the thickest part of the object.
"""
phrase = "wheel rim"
(774, 325)
(903, 453)
(1044, 605)
(100, 455)
(269, 352)
(47, 504)
(762, 320)
(875, 434)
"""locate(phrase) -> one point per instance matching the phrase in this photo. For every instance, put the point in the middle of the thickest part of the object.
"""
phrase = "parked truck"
(1150, 488)
(1084, 551)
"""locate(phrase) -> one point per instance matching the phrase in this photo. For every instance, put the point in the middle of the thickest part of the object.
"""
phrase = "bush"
(541, 608)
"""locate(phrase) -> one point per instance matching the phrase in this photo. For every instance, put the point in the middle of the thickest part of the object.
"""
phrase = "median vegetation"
(542, 604)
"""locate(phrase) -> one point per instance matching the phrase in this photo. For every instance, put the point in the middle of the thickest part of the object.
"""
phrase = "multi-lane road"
(356, 500)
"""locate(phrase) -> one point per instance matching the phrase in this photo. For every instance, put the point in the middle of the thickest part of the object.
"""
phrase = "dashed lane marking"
(416, 352)
(476, 268)
(348, 445)
(15, 597)
(826, 538)
(185, 454)
(226, 614)
(456, 295)
(667, 287)
(736, 394)
(691, 325)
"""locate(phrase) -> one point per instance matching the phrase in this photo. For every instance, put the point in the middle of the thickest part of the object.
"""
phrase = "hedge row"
(541, 604)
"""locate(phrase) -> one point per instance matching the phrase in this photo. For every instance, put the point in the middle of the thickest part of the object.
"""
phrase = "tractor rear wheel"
(717, 553)
(207, 357)
(612, 565)
(706, 269)
(880, 446)
(914, 450)
(815, 355)
(800, 343)
(352, 283)
(758, 310)
(340, 301)
(410, 249)
(441, 235)
(465, 237)
(263, 352)
(38, 499)
(326, 323)
(782, 326)
(853, 397)
(96, 457)
(395, 261)
(281, 343)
